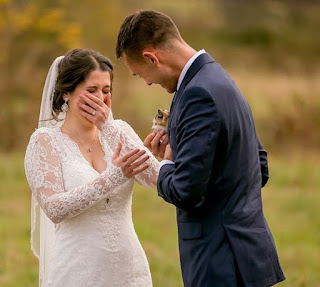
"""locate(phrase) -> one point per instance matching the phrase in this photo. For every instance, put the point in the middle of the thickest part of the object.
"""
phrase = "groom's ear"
(150, 57)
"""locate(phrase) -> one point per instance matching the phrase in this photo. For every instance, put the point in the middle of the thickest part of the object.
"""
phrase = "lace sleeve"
(115, 131)
(44, 175)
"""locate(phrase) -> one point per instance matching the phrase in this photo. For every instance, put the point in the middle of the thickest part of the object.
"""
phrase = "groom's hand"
(157, 143)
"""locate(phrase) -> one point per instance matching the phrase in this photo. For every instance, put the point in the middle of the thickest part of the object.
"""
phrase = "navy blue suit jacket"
(215, 183)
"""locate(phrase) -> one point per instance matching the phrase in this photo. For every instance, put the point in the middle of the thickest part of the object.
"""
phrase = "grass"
(18, 267)
(291, 205)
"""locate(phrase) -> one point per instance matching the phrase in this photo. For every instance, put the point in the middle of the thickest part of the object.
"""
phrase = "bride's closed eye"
(106, 91)
(91, 90)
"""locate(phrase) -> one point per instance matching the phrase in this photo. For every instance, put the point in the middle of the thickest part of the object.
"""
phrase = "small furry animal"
(160, 121)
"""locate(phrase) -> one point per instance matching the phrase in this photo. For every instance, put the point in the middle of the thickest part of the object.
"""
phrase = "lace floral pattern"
(95, 242)
(115, 131)
(44, 175)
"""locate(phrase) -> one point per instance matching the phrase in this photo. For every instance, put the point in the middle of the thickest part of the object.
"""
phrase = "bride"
(80, 165)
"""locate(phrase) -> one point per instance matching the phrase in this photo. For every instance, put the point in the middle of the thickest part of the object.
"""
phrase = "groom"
(214, 165)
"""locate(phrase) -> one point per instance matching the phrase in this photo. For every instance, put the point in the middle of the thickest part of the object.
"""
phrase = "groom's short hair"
(145, 28)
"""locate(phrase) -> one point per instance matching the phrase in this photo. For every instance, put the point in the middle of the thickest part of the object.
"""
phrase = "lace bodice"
(44, 172)
(89, 209)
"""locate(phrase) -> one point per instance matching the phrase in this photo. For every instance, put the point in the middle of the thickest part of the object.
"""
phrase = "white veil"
(42, 228)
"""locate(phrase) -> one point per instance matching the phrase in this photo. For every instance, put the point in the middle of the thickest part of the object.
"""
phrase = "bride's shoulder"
(43, 133)
(44, 130)
(42, 139)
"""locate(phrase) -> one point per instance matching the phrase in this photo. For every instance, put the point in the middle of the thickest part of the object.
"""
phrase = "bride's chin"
(85, 122)
(81, 120)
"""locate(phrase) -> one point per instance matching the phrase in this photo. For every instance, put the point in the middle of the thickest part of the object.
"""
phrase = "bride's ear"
(66, 96)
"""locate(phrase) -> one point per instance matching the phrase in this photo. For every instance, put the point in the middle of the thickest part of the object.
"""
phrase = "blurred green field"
(291, 205)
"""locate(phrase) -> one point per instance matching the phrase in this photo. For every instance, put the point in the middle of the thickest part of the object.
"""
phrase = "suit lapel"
(194, 68)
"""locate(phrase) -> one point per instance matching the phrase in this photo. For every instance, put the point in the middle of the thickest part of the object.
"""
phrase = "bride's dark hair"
(73, 70)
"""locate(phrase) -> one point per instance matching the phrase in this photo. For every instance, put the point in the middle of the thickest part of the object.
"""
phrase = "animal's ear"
(160, 115)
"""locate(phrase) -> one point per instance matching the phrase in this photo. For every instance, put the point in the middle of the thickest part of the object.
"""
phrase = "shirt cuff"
(165, 161)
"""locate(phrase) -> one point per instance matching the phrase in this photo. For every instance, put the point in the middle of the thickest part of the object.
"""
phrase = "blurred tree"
(277, 35)
(289, 25)
(31, 36)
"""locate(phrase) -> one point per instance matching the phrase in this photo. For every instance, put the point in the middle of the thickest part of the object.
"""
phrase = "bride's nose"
(99, 94)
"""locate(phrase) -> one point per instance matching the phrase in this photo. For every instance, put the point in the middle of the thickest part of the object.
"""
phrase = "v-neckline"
(81, 154)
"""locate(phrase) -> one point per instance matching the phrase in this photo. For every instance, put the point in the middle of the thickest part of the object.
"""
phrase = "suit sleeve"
(263, 156)
(185, 183)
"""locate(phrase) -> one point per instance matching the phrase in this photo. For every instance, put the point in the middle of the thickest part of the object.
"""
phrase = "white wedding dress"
(94, 242)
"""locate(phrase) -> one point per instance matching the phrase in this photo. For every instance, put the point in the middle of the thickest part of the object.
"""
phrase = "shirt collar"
(187, 66)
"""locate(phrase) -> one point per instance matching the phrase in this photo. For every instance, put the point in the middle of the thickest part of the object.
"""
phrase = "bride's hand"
(132, 162)
(94, 109)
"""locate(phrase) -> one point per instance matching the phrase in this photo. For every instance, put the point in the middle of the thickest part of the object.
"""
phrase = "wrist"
(107, 123)
(114, 176)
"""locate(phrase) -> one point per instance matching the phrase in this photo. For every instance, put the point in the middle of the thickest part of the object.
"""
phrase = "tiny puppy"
(160, 121)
